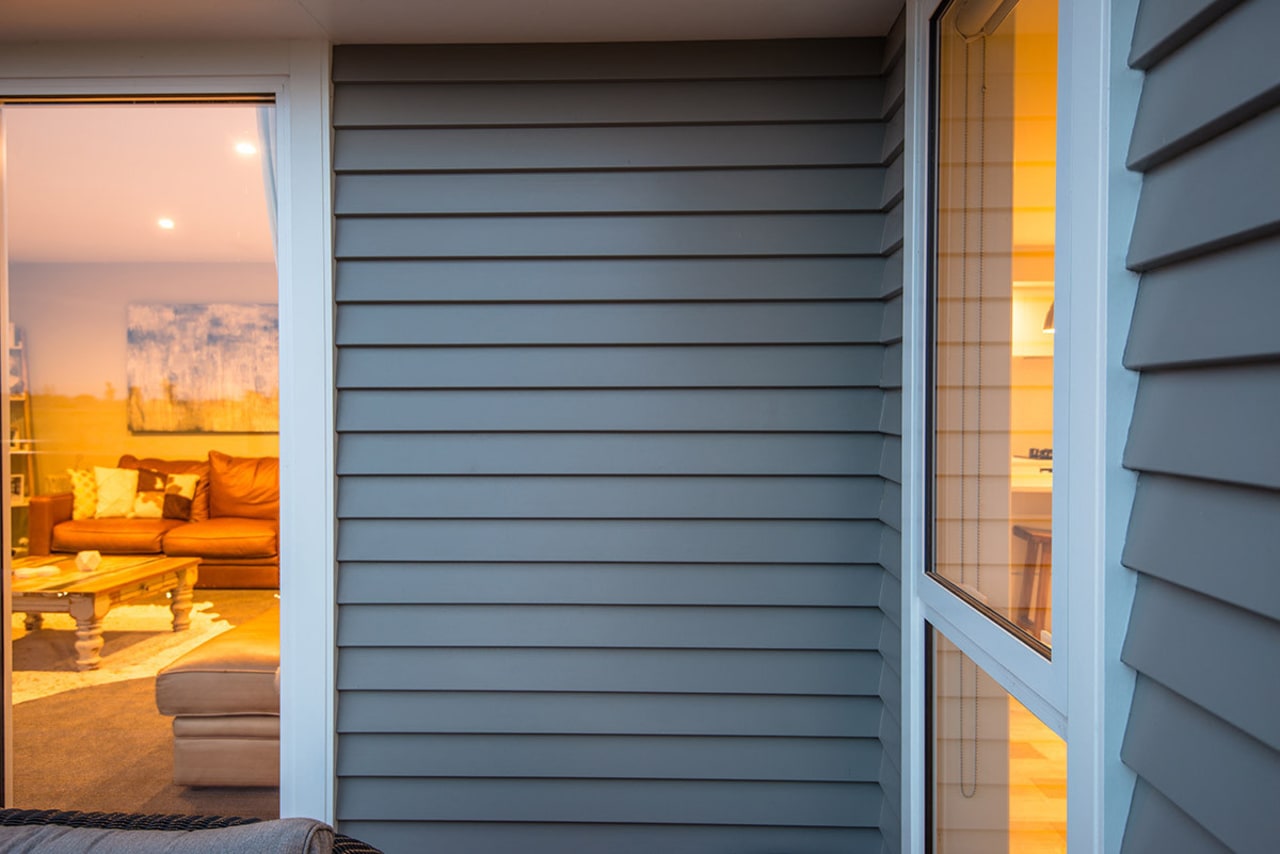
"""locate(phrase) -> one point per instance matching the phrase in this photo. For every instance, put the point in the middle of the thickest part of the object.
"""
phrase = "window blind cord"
(964, 415)
(968, 789)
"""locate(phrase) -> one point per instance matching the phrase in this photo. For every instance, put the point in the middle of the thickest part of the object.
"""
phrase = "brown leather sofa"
(234, 527)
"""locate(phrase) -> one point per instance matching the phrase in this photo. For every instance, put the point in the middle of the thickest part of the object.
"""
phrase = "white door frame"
(6, 543)
(297, 74)
(1084, 693)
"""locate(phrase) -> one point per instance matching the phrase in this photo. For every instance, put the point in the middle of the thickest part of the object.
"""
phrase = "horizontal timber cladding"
(621, 626)
(632, 280)
(1204, 631)
(568, 713)
(890, 469)
(725, 410)
(727, 802)
(635, 757)
(1182, 322)
(551, 366)
(597, 103)
(836, 145)
(576, 324)
(614, 838)
(603, 540)
(613, 453)
(586, 236)
(578, 497)
(613, 396)
(686, 191)
(599, 669)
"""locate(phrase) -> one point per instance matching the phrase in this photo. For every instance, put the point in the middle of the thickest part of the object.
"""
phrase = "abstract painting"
(210, 368)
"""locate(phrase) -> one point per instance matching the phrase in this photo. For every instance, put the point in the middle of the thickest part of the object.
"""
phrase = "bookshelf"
(22, 458)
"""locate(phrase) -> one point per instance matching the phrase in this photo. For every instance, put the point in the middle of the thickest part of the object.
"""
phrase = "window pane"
(993, 309)
(1000, 775)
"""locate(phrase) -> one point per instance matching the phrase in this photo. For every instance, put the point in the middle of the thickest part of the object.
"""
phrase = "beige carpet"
(139, 640)
(105, 747)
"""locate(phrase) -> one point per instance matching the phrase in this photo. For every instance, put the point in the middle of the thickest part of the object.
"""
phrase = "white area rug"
(139, 641)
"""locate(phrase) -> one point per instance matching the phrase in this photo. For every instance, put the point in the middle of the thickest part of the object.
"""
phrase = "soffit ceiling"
(88, 184)
(449, 21)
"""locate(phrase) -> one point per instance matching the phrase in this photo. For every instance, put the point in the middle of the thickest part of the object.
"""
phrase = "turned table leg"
(181, 603)
(88, 612)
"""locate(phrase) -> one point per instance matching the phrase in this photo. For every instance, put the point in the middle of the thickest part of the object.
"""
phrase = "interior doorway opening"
(143, 430)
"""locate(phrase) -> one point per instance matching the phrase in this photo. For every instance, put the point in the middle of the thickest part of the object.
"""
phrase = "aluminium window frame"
(297, 74)
(1036, 681)
(1080, 692)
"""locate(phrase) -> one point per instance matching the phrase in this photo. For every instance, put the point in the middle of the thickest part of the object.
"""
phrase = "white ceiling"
(88, 183)
(451, 21)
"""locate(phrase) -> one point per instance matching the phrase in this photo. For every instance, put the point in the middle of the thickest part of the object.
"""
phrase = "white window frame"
(1092, 402)
(297, 74)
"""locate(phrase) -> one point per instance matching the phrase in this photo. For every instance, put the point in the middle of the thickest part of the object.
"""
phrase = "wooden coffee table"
(51, 584)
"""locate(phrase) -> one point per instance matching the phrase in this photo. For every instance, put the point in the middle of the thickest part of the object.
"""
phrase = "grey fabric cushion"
(282, 836)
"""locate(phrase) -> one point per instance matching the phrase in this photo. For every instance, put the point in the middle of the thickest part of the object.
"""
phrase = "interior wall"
(73, 318)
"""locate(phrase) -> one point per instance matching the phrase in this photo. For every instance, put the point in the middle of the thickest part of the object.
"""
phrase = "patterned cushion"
(116, 491)
(179, 495)
(200, 468)
(85, 490)
(148, 501)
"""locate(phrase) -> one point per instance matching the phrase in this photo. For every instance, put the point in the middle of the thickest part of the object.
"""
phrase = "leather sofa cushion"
(232, 674)
(223, 537)
(200, 503)
(113, 536)
(244, 486)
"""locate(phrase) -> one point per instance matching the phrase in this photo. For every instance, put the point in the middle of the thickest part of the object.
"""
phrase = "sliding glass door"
(141, 296)
(6, 540)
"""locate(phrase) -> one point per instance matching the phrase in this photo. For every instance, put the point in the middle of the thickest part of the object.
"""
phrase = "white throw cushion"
(116, 491)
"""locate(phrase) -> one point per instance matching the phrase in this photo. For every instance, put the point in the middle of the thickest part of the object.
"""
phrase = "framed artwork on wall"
(207, 368)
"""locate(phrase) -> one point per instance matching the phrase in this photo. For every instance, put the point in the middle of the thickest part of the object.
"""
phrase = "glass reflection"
(994, 311)
(1000, 775)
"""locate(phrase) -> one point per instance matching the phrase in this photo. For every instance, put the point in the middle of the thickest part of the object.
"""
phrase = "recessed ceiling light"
(165, 223)
(246, 149)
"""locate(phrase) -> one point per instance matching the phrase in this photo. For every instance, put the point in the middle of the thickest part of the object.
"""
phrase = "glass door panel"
(999, 774)
(142, 296)
(993, 310)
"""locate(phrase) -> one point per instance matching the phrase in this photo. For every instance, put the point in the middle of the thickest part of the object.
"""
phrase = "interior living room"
(143, 496)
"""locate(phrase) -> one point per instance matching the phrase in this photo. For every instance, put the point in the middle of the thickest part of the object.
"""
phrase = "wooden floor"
(1038, 790)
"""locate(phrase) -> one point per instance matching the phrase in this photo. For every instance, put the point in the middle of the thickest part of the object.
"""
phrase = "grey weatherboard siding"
(619, 381)
(1203, 735)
